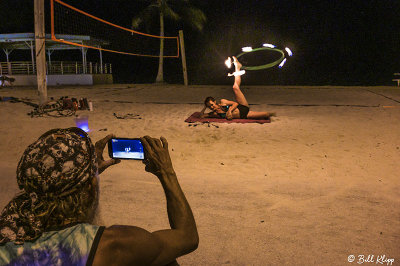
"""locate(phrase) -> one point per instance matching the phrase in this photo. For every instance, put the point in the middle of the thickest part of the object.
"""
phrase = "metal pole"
(185, 78)
(40, 51)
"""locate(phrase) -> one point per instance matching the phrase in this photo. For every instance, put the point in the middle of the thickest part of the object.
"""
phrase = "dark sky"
(335, 42)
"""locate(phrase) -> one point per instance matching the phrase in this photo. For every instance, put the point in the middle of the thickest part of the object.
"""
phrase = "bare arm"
(182, 238)
(99, 148)
(203, 110)
(232, 106)
(207, 115)
(135, 246)
(202, 115)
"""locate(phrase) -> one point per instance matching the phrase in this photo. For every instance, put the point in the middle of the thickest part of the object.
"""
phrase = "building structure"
(58, 72)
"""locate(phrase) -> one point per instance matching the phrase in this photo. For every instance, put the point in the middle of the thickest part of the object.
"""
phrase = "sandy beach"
(318, 184)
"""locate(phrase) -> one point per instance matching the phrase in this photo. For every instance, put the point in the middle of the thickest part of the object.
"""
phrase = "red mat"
(195, 117)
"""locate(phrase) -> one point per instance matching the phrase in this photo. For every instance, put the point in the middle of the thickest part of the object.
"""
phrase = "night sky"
(336, 42)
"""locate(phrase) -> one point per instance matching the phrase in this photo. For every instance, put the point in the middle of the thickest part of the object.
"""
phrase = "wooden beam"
(40, 51)
(182, 44)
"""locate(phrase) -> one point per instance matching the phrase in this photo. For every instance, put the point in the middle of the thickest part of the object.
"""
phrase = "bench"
(398, 79)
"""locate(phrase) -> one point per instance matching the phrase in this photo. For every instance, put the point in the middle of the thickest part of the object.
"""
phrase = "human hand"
(157, 159)
(229, 115)
(99, 148)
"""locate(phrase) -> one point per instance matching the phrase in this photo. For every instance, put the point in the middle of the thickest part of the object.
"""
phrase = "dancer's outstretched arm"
(232, 106)
(203, 110)
(207, 115)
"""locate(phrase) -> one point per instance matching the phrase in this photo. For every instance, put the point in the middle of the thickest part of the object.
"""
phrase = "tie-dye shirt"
(75, 245)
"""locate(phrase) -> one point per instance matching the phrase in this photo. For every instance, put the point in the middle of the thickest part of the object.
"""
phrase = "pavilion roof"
(23, 41)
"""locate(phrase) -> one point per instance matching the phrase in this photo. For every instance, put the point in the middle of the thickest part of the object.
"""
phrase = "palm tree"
(175, 10)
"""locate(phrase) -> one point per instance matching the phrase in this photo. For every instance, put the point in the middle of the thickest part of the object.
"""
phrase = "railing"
(54, 67)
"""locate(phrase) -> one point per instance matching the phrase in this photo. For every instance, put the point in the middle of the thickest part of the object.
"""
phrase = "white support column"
(33, 58)
(49, 52)
(31, 46)
(101, 61)
(40, 50)
(86, 70)
(84, 60)
(8, 52)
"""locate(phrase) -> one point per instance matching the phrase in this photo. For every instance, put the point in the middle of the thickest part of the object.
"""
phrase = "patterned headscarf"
(55, 175)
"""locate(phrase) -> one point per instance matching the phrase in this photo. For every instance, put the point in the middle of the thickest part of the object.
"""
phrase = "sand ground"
(319, 183)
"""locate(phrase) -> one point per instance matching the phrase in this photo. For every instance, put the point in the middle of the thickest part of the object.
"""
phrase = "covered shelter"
(58, 72)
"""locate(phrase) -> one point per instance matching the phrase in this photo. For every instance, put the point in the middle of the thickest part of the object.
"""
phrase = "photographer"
(49, 222)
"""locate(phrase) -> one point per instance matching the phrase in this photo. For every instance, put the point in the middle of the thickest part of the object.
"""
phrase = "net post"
(40, 51)
(185, 78)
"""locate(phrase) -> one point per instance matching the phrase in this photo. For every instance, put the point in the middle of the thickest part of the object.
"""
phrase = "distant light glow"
(228, 62)
(288, 51)
(269, 45)
(83, 123)
(247, 49)
(282, 63)
(84, 128)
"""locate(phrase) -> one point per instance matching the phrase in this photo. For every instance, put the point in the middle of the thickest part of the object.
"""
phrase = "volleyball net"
(96, 33)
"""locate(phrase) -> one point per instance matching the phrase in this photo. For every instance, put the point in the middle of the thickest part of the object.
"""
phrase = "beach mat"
(195, 117)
